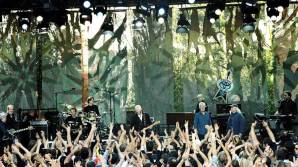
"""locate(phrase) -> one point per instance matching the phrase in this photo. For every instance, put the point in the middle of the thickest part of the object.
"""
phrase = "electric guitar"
(12, 132)
(151, 126)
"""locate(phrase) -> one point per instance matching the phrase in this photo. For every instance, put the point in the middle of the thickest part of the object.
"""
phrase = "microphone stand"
(61, 92)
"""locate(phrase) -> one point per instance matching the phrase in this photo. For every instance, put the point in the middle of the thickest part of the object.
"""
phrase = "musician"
(91, 107)
(201, 119)
(287, 107)
(236, 121)
(140, 119)
(3, 129)
(73, 121)
(10, 118)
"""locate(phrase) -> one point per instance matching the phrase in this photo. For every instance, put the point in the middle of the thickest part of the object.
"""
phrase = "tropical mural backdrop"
(153, 66)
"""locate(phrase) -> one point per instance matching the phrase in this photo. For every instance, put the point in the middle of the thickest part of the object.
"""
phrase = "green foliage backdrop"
(154, 66)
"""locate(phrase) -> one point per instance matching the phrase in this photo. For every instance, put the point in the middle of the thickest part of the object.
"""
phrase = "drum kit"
(87, 120)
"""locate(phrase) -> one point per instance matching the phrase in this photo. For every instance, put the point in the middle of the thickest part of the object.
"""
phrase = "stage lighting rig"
(108, 27)
(86, 15)
(143, 9)
(161, 13)
(182, 24)
(24, 21)
(100, 11)
(211, 12)
(249, 8)
(138, 22)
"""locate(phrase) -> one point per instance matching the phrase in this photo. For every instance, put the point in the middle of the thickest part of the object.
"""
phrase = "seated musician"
(73, 121)
(287, 107)
(91, 107)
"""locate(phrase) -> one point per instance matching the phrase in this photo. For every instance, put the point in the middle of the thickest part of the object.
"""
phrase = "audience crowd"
(179, 147)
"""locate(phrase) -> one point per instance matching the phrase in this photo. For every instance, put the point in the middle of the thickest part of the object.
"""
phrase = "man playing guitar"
(73, 121)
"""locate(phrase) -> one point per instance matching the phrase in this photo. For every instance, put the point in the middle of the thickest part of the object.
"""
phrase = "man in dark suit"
(140, 119)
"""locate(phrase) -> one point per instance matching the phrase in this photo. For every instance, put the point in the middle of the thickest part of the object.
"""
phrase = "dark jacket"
(11, 121)
(237, 123)
(139, 124)
(287, 107)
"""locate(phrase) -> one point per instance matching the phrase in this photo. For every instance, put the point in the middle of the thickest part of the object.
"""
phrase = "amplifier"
(39, 125)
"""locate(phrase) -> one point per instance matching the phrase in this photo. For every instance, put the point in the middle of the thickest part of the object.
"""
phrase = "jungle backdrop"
(154, 66)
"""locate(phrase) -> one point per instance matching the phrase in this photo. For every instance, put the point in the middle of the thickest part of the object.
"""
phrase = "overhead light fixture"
(144, 9)
(138, 22)
(212, 16)
(248, 23)
(249, 9)
(182, 24)
(273, 13)
(161, 13)
(86, 3)
(24, 22)
(100, 11)
(86, 15)
(191, 1)
(108, 27)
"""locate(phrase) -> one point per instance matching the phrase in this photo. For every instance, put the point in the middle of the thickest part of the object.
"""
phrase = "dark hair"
(84, 153)
(150, 146)
(288, 93)
(172, 162)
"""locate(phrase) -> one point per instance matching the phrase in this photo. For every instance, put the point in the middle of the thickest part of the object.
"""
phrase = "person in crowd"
(289, 108)
(10, 119)
(73, 122)
(129, 149)
(140, 119)
(91, 107)
(236, 121)
(201, 119)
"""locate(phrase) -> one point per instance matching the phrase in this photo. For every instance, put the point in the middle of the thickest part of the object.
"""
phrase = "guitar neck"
(20, 130)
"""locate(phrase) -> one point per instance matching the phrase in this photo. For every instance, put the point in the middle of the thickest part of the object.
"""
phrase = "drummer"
(91, 107)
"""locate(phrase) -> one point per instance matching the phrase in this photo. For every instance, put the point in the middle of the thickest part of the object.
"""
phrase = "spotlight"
(191, 1)
(248, 23)
(212, 15)
(161, 13)
(24, 23)
(249, 8)
(86, 4)
(39, 18)
(100, 11)
(272, 13)
(182, 25)
(138, 22)
(108, 27)
(144, 9)
(86, 15)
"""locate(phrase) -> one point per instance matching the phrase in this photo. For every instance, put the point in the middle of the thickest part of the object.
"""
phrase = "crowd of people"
(140, 146)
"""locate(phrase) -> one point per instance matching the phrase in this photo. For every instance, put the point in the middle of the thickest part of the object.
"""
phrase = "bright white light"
(212, 20)
(273, 18)
(63, 27)
(280, 9)
(191, 1)
(24, 26)
(39, 18)
(278, 17)
(161, 20)
(86, 4)
(99, 14)
(218, 12)
(139, 24)
(161, 11)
